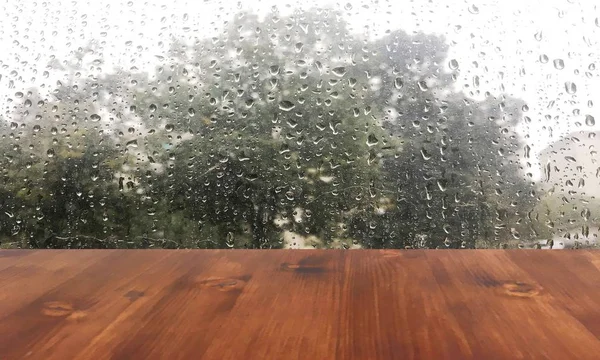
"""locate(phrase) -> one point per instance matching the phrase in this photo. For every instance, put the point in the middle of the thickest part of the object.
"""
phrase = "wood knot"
(222, 284)
(302, 268)
(57, 308)
(391, 253)
(521, 289)
(62, 309)
(133, 295)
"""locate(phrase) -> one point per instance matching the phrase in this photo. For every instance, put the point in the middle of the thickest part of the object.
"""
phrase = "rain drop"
(230, 240)
(589, 120)
(442, 184)
(398, 84)
(274, 70)
(559, 64)
(286, 105)
(339, 71)
(547, 171)
(372, 140)
(425, 154)
(570, 159)
(132, 144)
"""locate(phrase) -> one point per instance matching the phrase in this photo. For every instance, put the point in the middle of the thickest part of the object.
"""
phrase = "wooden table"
(299, 304)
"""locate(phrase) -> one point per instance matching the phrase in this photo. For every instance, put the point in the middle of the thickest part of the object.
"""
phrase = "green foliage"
(295, 125)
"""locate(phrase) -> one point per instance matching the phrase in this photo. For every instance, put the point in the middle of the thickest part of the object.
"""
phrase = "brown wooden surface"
(299, 304)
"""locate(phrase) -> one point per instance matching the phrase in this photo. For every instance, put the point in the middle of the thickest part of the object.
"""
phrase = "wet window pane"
(265, 124)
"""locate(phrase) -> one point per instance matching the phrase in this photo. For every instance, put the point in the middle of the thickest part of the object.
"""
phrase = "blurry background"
(266, 124)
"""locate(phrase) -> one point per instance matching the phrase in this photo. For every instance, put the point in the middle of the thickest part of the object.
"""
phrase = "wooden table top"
(299, 304)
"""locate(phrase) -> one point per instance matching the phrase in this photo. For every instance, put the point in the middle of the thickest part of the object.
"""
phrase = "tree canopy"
(280, 131)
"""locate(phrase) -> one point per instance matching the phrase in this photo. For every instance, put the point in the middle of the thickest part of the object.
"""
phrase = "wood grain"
(299, 304)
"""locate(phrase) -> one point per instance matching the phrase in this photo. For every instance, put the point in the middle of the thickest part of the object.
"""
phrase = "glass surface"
(266, 124)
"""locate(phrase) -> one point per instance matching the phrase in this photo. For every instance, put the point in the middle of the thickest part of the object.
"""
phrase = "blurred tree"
(277, 125)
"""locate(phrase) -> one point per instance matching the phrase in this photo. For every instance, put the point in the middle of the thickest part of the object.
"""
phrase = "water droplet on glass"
(230, 240)
(538, 36)
(570, 159)
(372, 140)
(589, 120)
(286, 105)
(585, 214)
(447, 242)
(319, 66)
(398, 84)
(348, 6)
(274, 70)
(570, 87)
(442, 184)
(473, 9)
(423, 85)
(95, 117)
(50, 153)
(515, 234)
(547, 171)
(453, 64)
(298, 47)
(169, 127)
(425, 154)
(559, 64)
(132, 144)
(339, 71)
(544, 59)
(152, 108)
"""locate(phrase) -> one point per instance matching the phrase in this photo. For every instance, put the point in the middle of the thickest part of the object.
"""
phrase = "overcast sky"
(502, 37)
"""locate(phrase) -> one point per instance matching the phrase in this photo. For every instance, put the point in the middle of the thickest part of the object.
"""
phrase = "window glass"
(266, 124)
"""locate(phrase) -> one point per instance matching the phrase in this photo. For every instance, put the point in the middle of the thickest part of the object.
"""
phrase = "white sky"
(499, 35)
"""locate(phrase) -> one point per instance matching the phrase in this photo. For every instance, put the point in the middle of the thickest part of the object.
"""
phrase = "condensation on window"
(320, 124)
